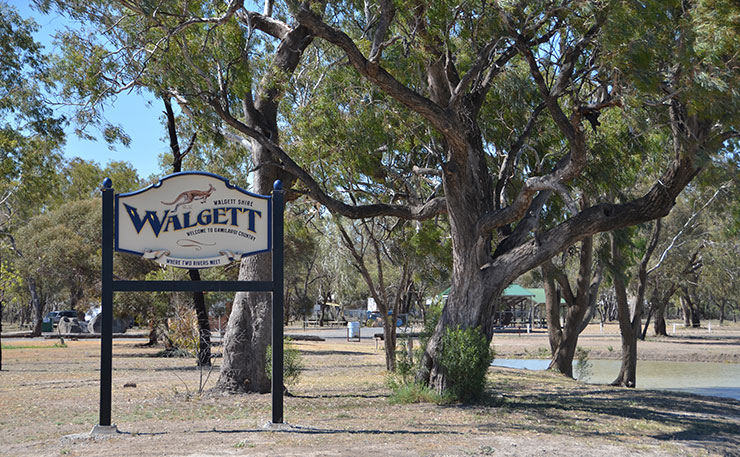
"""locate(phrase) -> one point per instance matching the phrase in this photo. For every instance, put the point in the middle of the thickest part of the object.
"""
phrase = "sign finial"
(278, 185)
(107, 183)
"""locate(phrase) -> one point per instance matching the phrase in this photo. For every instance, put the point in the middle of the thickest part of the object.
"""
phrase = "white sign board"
(193, 220)
(371, 305)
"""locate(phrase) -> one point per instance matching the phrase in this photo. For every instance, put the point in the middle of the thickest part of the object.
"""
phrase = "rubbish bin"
(353, 330)
(47, 325)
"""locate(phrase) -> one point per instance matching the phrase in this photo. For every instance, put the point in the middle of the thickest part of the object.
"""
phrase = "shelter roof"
(514, 290)
(539, 296)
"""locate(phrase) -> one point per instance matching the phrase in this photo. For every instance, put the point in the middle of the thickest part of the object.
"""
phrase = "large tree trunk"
(659, 323)
(248, 332)
(660, 302)
(629, 328)
(686, 311)
(37, 305)
(695, 315)
(389, 338)
(2, 303)
(469, 188)
(563, 342)
(630, 320)
(552, 311)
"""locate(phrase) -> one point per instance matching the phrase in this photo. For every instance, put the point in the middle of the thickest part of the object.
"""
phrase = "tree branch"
(428, 210)
(685, 226)
(440, 118)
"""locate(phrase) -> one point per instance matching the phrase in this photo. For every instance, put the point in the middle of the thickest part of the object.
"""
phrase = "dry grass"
(340, 407)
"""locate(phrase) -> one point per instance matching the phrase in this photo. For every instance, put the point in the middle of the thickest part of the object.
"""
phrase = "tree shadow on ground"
(709, 422)
(318, 396)
(299, 429)
(335, 352)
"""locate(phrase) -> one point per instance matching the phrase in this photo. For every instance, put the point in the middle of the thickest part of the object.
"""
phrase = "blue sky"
(139, 115)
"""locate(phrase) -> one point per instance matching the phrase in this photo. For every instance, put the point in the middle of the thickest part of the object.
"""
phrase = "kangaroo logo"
(189, 196)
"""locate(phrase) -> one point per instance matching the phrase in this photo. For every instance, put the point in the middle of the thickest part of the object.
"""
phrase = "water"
(702, 378)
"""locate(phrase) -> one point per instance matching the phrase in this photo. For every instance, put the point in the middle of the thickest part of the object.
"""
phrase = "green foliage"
(415, 392)
(403, 386)
(30, 133)
(292, 363)
(10, 280)
(405, 368)
(81, 179)
(584, 367)
(465, 358)
(434, 313)
(61, 250)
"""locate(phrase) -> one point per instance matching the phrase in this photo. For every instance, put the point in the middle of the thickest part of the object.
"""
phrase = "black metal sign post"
(277, 304)
(106, 305)
(109, 286)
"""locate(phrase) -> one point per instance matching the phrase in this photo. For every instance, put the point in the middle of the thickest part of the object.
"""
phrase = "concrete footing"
(104, 430)
(278, 427)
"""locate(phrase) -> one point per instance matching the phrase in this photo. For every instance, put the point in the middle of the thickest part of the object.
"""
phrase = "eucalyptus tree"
(79, 179)
(202, 64)
(374, 257)
(60, 250)
(719, 282)
(580, 304)
(462, 54)
(30, 136)
(687, 231)
(625, 246)
(303, 266)
(503, 92)
(629, 315)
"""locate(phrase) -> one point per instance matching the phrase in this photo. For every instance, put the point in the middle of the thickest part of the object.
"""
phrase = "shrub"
(466, 356)
(183, 330)
(434, 313)
(584, 367)
(405, 367)
(292, 363)
(414, 392)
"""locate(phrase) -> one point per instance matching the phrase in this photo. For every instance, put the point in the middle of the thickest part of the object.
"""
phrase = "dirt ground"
(49, 403)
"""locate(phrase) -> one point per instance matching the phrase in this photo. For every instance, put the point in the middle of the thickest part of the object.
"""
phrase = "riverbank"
(705, 344)
(49, 395)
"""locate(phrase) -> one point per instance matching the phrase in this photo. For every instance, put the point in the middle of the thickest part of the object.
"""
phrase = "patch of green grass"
(417, 393)
(27, 346)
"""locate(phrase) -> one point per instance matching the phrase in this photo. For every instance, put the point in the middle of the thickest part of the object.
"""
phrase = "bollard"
(601, 327)
(674, 329)
(709, 327)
